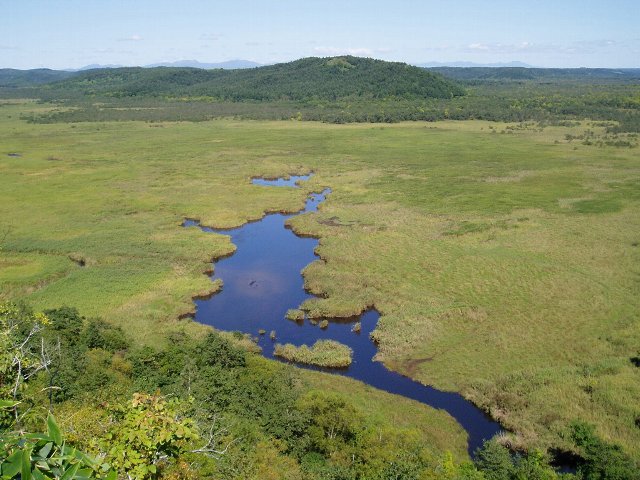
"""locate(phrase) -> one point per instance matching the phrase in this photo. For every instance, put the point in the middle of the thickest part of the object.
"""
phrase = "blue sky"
(560, 33)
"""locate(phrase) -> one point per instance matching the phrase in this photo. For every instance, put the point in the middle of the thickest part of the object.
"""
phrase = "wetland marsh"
(503, 264)
(262, 281)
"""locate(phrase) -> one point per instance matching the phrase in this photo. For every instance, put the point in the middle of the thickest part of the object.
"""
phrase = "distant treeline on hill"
(475, 75)
(305, 79)
(12, 79)
(337, 90)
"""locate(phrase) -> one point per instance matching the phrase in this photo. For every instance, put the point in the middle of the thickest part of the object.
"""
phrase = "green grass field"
(505, 265)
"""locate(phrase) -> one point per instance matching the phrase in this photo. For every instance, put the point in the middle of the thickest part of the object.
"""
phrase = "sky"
(64, 34)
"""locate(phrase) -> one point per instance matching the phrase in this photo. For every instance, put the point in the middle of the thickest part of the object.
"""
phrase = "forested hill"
(305, 79)
(13, 78)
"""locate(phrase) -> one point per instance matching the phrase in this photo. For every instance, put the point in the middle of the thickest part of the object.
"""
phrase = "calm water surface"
(262, 280)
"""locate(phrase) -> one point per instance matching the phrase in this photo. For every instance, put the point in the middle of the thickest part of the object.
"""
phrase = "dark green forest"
(11, 78)
(305, 79)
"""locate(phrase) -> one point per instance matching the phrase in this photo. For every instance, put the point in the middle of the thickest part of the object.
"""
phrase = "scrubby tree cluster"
(206, 408)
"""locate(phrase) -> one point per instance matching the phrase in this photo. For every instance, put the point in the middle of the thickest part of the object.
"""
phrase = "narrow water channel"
(262, 281)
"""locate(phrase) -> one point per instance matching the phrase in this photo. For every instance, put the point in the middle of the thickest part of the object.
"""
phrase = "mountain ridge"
(463, 64)
(327, 78)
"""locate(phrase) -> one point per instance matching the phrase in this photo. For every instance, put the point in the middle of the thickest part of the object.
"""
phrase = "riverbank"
(262, 282)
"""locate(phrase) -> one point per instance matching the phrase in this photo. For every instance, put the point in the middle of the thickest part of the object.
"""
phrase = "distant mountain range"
(93, 66)
(239, 63)
(320, 78)
(228, 65)
(472, 64)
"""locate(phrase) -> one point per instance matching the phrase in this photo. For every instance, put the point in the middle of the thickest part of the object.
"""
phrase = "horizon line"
(421, 64)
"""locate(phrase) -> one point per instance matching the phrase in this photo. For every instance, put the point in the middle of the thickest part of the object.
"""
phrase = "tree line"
(335, 90)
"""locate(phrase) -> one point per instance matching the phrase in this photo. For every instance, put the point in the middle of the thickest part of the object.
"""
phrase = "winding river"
(262, 281)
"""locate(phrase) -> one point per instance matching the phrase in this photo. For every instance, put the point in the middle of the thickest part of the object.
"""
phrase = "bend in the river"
(262, 281)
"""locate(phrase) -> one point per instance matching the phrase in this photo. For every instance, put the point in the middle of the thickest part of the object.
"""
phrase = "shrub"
(601, 460)
(494, 461)
(147, 433)
(47, 456)
(215, 350)
(335, 423)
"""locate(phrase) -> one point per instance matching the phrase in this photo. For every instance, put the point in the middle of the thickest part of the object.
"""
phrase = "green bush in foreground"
(47, 456)
(146, 434)
(213, 410)
(22, 357)
(601, 460)
(324, 353)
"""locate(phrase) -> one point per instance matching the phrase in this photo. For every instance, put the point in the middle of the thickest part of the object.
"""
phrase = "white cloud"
(132, 38)
(358, 52)
(110, 51)
(578, 47)
(507, 48)
(478, 46)
(211, 37)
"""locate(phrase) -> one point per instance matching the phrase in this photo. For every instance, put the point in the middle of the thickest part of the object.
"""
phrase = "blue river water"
(262, 280)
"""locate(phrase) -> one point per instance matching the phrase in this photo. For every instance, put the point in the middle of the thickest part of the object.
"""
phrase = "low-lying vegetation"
(323, 353)
(204, 408)
(295, 314)
(198, 405)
